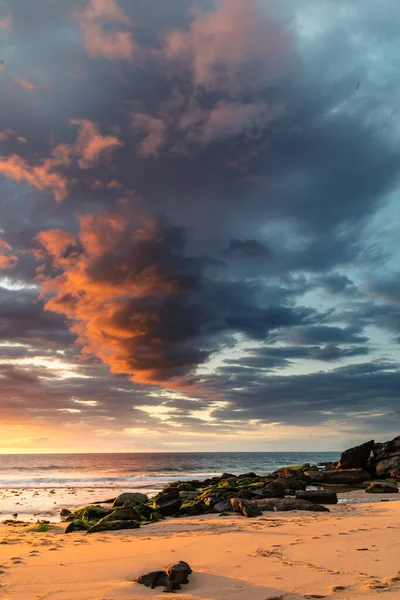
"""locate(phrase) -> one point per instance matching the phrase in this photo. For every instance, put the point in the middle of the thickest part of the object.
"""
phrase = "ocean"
(37, 486)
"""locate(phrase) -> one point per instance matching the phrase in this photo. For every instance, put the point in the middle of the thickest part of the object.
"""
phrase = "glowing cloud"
(93, 20)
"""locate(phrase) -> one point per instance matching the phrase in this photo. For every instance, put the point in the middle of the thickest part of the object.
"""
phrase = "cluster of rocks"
(250, 494)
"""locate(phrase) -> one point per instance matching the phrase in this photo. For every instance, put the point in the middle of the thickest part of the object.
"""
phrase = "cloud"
(94, 21)
(155, 132)
(91, 145)
(145, 307)
(89, 148)
(234, 46)
(7, 259)
(247, 249)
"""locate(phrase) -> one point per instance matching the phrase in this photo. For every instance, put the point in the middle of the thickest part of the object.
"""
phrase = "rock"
(344, 476)
(293, 483)
(386, 457)
(250, 475)
(250, 510)
(177, 573)
(153, 579)
(77, 525)
(286, 504)
(89, 513)
(245, 507)
(357, 457)
(135, 497)
(168, 502)
(274, 489)
(224, 506)
(64, 512)
(122, 514)
(293, 471)
(171, 578)
(147, 513)
(382, 487)
(187, 496)
(318, 496)
(186, 487)
(113, 526)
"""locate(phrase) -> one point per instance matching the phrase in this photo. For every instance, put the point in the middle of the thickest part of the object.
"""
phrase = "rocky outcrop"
(171, 578)
(340, 476)
(382, 487)
(386, 458)
(357, 457)
(318, 496)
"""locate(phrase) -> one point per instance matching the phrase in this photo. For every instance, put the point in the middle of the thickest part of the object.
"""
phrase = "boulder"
(386, 457)
(171, 578)
(122, 514)
(245, 507)
(340, 476)
(382, 487)
(135, 497)
(318, 496)
(357, 457)
(64, 512)
(287, 504)
(113, 526)
(89, 513)
(224, 506)
(273, 489)
(167, 502)
(77, 525)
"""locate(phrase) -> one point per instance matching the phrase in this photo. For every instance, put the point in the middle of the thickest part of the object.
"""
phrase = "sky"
(199, 225)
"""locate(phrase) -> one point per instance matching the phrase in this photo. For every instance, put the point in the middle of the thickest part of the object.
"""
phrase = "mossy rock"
(186, 496)
(113, 526)
(186, 487)
(95, 513)
(65, 512)
(122, 514)
(77, 525)
(134, 497)
(192, 509)
(228, 483)
(303, 467)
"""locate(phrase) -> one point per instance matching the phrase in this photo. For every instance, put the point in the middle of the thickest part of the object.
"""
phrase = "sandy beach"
(351, 552)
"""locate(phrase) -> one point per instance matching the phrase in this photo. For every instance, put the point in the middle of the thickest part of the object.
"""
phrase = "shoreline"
(349, 553)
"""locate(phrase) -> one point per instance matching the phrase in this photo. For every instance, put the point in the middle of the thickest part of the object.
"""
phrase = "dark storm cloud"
(353, 392)
(245, 139)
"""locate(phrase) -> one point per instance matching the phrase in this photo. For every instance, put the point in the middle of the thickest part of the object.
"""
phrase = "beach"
(350, 552)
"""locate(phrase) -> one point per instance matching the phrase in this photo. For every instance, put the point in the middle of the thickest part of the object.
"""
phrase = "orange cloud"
(91, 144)
(7, 259)
(93, 20)
(117, 280)
(41, 177)
(89, 147)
